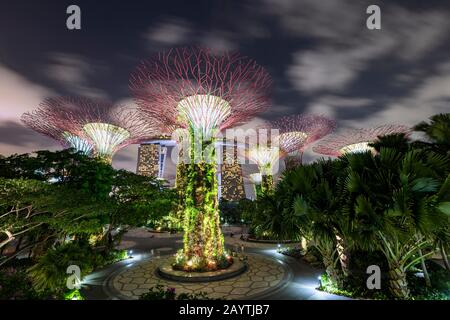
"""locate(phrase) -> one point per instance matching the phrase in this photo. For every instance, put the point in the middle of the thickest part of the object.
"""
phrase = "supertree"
(297, 132)
(256, 178)
(106, 127)
(266, 157)
(290, 136)
(205, 93)
(54, 122)
(355, 140)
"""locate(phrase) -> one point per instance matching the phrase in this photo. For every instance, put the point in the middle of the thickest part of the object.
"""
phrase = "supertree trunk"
(266, 184)
(203, 239)
(258, 191)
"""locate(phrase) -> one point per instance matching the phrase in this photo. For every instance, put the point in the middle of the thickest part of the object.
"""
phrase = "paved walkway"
(264, 274)
(293, 279)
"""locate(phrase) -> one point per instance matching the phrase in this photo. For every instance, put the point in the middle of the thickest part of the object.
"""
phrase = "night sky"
(320, 54)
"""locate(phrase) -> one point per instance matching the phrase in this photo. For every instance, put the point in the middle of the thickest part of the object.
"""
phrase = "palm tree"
(315, 213)
(394, 203)
(438, 131)
(442, 236)
(316, 228)
(268, 222)
(399, 141)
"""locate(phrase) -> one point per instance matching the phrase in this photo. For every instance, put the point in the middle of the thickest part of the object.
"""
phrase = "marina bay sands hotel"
(154, 159)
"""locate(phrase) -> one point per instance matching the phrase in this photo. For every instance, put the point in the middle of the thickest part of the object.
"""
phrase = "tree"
(438, 131)
(203, 92)
(78, 197)
(394, 203)
(142, 200)
(316, 212)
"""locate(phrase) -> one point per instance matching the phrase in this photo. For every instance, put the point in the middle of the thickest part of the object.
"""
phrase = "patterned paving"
(263, 275)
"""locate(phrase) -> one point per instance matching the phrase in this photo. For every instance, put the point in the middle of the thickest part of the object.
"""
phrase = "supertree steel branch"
(51, 120)
(356, 140)
(203, 92)
(212, 91)
(107, 127)
(297, 132)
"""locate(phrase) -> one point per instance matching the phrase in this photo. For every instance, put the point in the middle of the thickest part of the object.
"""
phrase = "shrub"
(15, 284)
(161, 293)
(440, 284)
(49, 273)
(73, 295)
(229, 211)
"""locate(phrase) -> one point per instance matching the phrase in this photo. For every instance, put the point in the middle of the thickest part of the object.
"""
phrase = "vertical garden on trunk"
(203, 92)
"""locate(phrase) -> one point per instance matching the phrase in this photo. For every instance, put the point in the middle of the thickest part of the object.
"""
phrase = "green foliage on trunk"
(203, 242)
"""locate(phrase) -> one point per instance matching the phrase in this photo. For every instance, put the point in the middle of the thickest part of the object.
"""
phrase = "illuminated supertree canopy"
(297, 132)
(265, 157)
(78, 142)
(51, 120)
(256, 178)
(106, 127)
(198, 89)
(355, 140)
(205, 93)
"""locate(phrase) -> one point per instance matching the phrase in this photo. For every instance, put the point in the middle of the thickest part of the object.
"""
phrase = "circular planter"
(167, 272)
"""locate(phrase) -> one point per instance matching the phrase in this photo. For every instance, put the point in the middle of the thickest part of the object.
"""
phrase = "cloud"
(126, 158)
(16, 138)
(417, 34)
(430, 97)
(173, 32)
(326, 19)
(327, 69)
(219, 41)
(18, 94)
(342, 46)
(169, 32)
(74, 73)
(333, 105)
